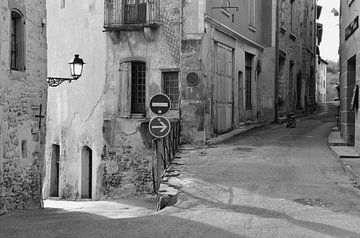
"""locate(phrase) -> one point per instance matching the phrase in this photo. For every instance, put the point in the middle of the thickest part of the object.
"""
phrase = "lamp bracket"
(56, 81)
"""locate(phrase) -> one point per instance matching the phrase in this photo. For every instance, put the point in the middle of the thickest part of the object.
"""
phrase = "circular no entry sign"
(160, 104)
(159, 126)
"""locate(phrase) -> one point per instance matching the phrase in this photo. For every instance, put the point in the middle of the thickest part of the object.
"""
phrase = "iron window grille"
(171, 88)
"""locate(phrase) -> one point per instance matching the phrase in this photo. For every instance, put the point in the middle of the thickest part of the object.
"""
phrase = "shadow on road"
(266, 213)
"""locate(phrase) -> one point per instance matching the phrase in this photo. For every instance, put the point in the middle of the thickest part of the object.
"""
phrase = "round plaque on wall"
(192, 79)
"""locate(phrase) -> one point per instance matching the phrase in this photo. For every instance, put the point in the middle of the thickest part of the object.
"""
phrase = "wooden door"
(223, 93)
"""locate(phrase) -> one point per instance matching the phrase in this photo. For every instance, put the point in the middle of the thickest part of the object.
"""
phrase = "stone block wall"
(289, 44)
(22, 132)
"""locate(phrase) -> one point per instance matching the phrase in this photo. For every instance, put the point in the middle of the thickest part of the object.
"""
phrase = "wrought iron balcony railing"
(131, 14)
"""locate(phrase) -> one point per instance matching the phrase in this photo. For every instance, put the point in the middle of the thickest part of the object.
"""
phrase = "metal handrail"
(164, 151)
(116, 13)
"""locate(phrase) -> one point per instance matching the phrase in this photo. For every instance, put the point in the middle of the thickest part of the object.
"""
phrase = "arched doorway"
(55, 171)
(86, 172)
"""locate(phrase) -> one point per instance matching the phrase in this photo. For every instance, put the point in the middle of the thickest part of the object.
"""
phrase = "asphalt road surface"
(272, 181)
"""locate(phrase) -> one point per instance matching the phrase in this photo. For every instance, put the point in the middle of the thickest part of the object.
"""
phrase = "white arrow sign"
(159, 126)
(163, 127)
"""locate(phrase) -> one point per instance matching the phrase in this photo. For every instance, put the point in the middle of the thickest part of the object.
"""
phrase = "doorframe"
(90, 163)
(55, 166)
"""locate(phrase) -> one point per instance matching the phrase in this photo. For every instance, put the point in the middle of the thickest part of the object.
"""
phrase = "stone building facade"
(216, 61)
(297, 56)
(349, 73)
(23, 91)
(223, 43)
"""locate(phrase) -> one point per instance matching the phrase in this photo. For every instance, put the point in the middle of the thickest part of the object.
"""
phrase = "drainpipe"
(180, 62)
(2, 186)
(315, 40)
(276, 80)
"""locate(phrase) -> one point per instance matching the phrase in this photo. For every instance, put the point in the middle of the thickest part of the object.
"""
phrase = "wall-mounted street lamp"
(76, 66)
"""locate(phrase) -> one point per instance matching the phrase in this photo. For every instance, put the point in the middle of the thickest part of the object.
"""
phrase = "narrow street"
(272, 181)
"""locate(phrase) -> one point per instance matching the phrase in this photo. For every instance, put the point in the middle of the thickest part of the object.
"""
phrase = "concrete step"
(345, 152)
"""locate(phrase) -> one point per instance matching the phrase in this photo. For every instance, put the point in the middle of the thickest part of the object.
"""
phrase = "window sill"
(137, 116)
(17, 75)
(252, 28)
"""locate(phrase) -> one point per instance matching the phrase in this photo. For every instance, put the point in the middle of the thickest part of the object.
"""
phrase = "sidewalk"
(347, 155)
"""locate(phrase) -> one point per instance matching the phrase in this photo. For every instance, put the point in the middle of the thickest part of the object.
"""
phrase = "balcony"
(131, 14)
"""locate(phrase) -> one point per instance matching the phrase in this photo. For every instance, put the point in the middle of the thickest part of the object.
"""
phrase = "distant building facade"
(23, 90)
(321, 83)
(349, 73)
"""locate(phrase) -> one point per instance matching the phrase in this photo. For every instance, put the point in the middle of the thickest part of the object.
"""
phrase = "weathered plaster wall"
(239, 20)
(75, 110)
(21, 93)
(126, 159)
(267, 83)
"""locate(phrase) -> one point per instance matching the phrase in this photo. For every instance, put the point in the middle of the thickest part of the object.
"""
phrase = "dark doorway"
(351, 81)
(55, 169)
(86, 172)
(138, 87)
(298, 91)
(240, 94)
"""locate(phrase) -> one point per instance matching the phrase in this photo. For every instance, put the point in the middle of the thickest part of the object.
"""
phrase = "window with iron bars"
(171, 87)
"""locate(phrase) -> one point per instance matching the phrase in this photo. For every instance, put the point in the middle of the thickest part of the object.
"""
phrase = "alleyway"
(269, 182)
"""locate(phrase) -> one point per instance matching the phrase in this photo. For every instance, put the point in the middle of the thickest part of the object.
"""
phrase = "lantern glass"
(76, 66)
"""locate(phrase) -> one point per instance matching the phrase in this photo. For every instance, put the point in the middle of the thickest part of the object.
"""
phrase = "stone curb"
(347, 167)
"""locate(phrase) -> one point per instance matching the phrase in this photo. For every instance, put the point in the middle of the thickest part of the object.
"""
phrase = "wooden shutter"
(125, 90)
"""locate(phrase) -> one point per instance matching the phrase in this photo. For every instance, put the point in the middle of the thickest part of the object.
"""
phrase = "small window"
(17, 41)
(282, 14)
(248, 79)
(24, 151)
(171, 87)
(292, 16)
(252, 13)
